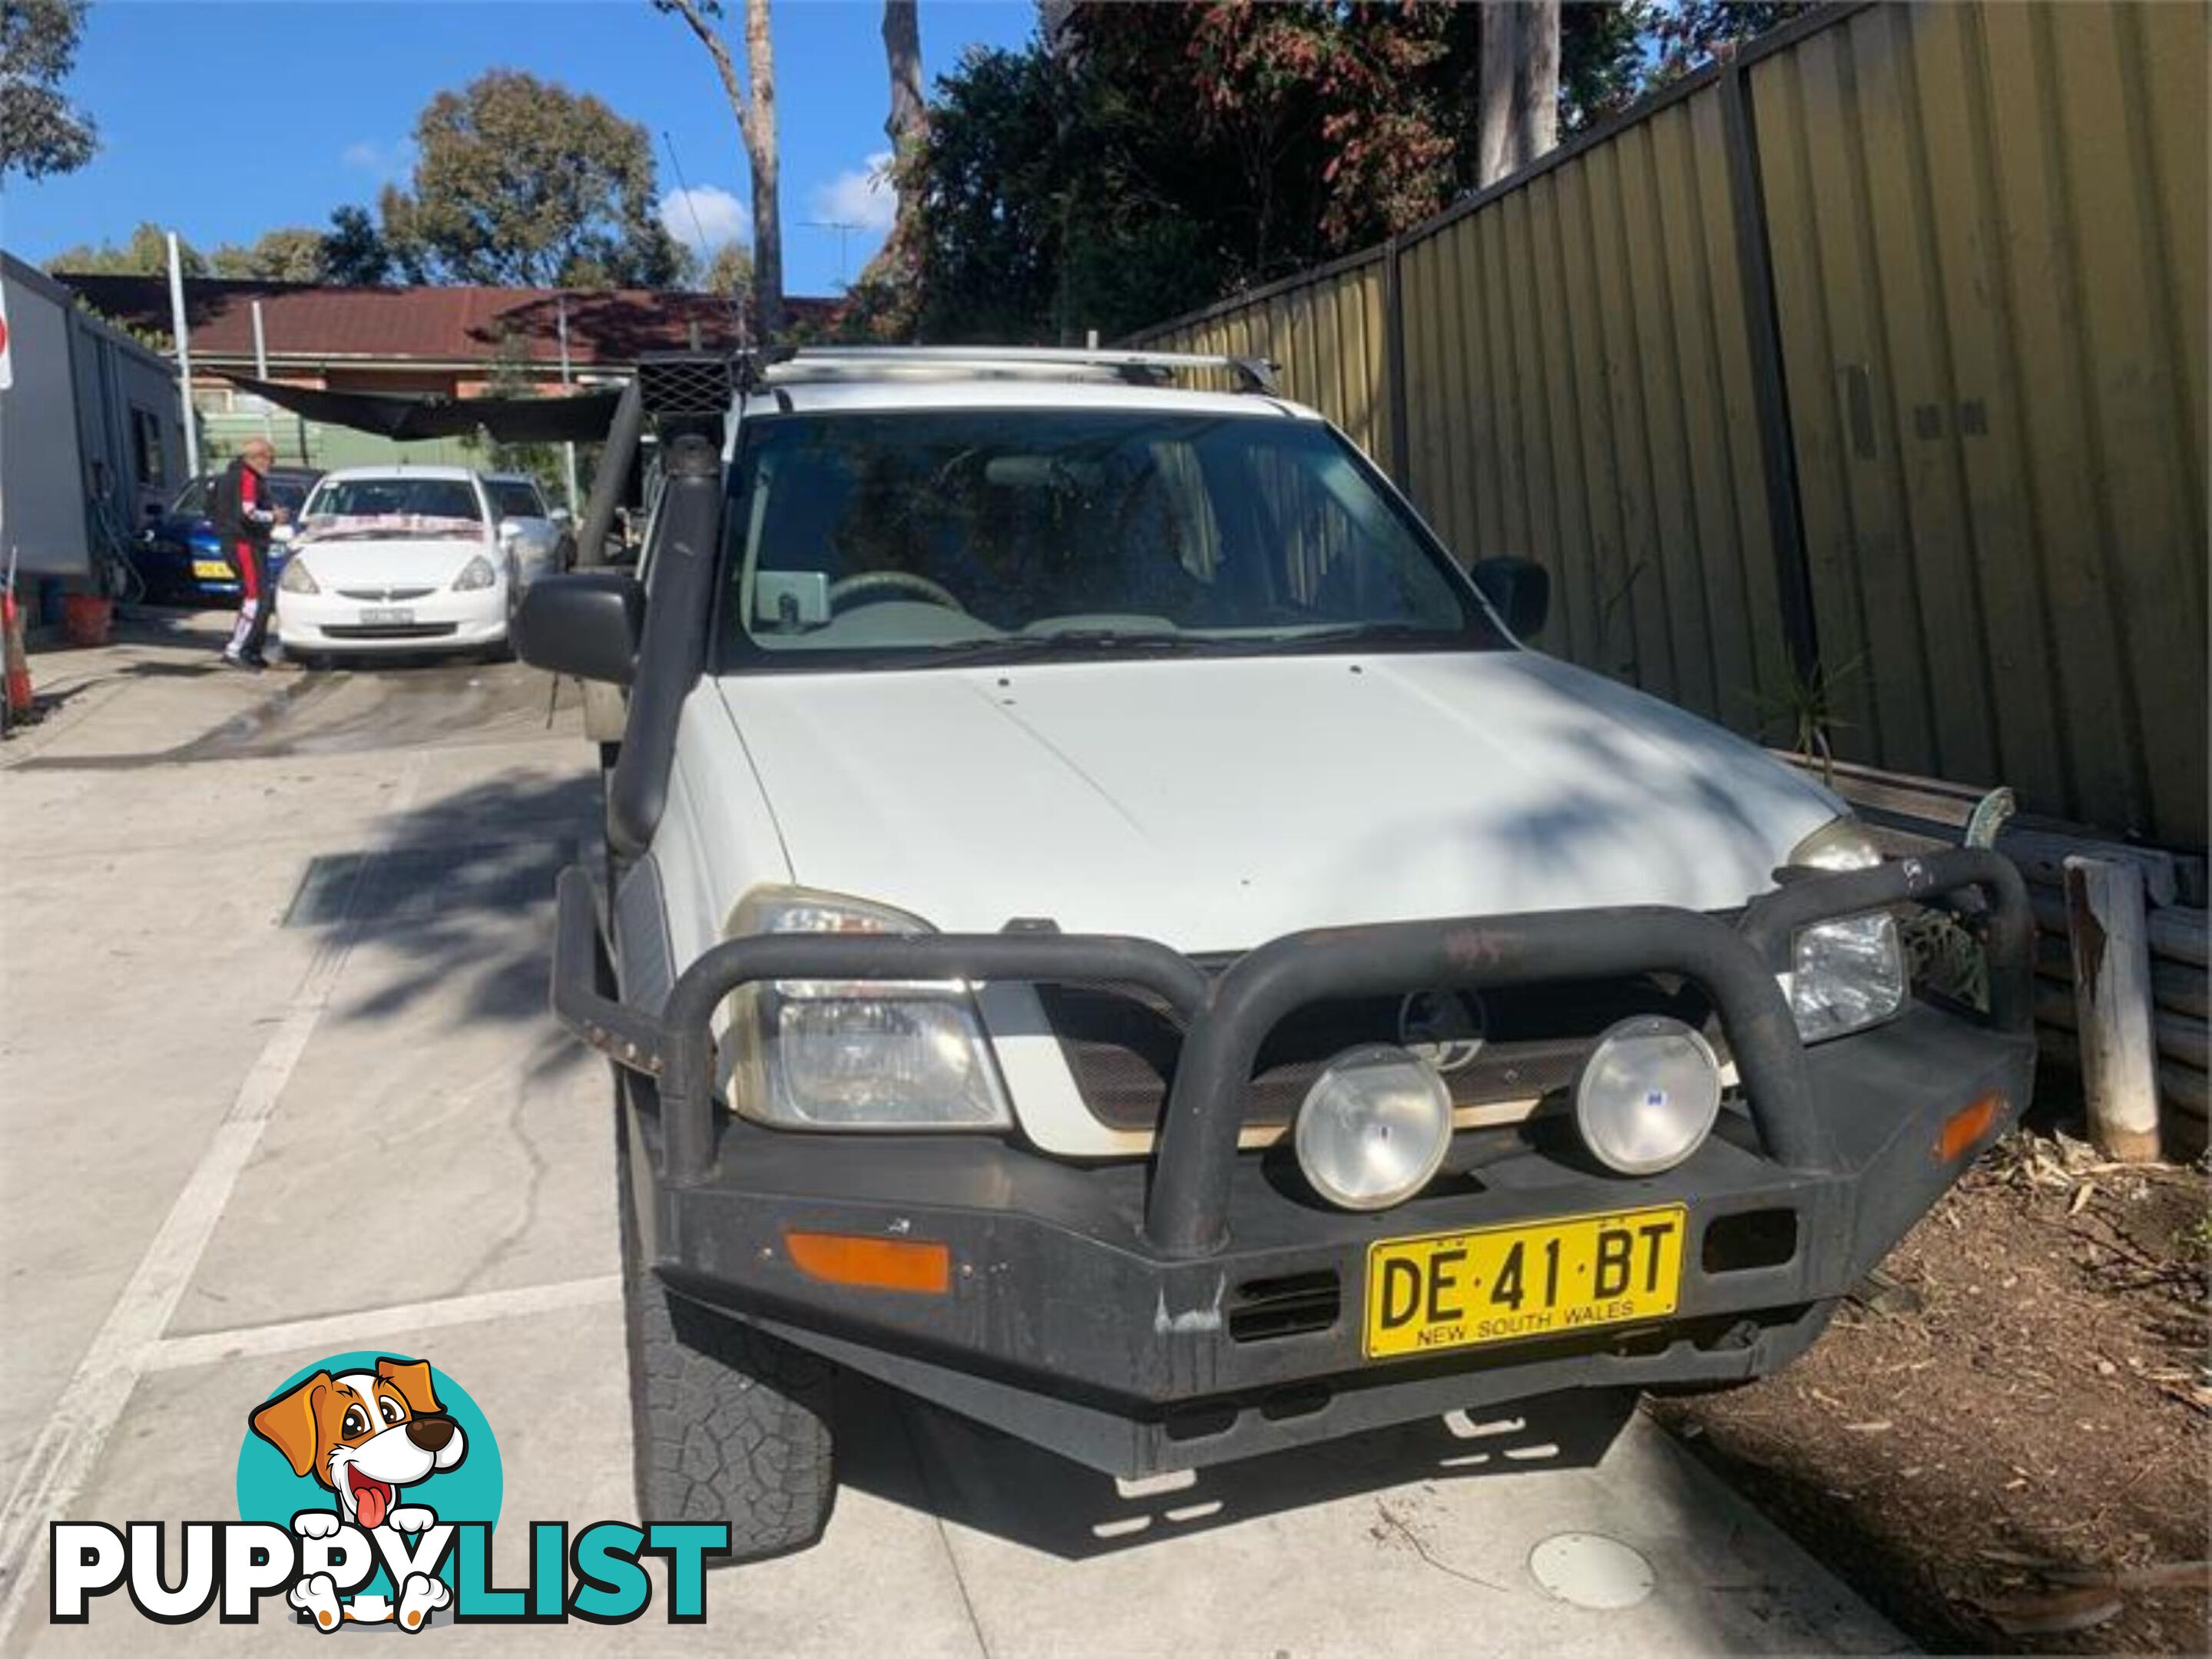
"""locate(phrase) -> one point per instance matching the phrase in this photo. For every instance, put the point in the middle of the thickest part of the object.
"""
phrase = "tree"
(909, 122)
(1602, 62)
(754, 107)
(1687, 34)
(1136, 161)
(146, 254)
(354, 253)
(1149, 158)
(1518, 117)
(520, 182)
(294, 255)
(730, 271)
(41, 132)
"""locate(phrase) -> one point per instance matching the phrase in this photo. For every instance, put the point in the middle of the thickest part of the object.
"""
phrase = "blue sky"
(223, 120)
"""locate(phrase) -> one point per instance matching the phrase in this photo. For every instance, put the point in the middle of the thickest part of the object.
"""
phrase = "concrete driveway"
(280, 1085)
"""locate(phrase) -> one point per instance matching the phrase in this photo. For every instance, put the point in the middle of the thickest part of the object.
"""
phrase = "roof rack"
(1254, 374)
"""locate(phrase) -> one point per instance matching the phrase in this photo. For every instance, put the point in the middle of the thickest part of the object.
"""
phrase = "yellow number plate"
(1504, 1284)
(214, 569)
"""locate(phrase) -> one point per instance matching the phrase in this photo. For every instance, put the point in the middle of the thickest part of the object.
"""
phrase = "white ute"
(1106, 926)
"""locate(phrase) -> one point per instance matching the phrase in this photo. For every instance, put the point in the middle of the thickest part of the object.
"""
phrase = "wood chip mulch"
(2002, 1442)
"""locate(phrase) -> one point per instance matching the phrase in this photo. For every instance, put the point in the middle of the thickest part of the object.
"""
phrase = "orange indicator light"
(875, 1264)
(1963, 1128)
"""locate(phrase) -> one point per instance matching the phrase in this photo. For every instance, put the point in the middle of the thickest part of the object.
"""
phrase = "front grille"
(409, 631)
(1121, 1045)
(384, 595)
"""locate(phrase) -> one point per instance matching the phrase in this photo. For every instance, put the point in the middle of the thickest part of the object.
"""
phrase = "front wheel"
(730, 1424)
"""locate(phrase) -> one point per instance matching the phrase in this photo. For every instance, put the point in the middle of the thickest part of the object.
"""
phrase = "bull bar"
(1226, 1017)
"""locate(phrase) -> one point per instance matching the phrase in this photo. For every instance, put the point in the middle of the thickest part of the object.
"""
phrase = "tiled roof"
(423, 324)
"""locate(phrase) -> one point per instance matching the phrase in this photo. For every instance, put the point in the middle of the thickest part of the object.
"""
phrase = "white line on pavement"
(338, 1332)
(69, 1445)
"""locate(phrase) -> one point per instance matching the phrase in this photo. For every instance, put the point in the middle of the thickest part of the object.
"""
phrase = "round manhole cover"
(1588, 1569)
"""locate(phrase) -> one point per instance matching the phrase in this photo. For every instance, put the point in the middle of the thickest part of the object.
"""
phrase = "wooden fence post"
(2110, 944)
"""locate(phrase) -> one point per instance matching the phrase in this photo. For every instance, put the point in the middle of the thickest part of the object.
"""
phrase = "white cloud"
(383, 162)
(705, 219)
(861, 197)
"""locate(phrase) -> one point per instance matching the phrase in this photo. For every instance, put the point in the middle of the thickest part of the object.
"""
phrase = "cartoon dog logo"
(365, 1434)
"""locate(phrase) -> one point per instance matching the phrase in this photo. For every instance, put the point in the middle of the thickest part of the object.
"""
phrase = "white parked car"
(397, 558)
(543, 541)
(1113, 931)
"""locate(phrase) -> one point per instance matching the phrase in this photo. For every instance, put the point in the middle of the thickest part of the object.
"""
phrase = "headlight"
(476, 573)
(865, 1055)
(1846, 975)
(1373, 1128)
(297, 579)
(1647, 1096)
(1840, 844)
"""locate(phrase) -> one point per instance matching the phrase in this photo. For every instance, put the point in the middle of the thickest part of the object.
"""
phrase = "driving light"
(296, 578)
(1648, 1095)
(1373, 1128)
(476, 573)
(856, 1054)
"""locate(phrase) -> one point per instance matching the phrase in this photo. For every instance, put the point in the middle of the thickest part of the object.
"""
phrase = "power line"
(699, 230)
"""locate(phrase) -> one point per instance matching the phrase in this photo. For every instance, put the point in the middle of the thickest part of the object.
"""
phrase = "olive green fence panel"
(1578, 391)
(1324, 330)
(1881, 349)
(1988, 232)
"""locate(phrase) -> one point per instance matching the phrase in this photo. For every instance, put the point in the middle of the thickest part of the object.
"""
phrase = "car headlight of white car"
(861, 1054)
(297, 578)
(476, 573)
(1848, 973)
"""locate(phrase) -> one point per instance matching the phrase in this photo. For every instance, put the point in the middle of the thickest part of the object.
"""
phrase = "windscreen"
(396, 507)
(290, 494)
(514, 500)
(964, 533)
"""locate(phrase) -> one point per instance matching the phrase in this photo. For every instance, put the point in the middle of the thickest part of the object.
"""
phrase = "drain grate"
(412, 882)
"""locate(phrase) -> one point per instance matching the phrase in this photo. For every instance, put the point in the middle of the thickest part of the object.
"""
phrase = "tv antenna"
(844, 227)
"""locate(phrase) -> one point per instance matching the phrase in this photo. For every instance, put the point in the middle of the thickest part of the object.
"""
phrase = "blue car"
(178, 557)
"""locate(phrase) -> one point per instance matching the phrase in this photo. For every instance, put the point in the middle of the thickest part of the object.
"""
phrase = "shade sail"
(580, 416)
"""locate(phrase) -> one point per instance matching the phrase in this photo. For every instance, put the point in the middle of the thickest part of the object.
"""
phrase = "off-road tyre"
(730, 1424)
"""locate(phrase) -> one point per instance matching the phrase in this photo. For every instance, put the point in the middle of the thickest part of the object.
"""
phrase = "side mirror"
(560, 515)
(510, 529)
(1519, 590)
(585, 623)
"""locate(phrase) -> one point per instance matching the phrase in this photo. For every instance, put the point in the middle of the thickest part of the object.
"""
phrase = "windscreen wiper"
(1079, 640)
(1376, 632)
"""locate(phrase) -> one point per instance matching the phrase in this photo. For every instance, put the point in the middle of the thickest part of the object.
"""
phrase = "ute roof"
(893, 378)
(1000, 392)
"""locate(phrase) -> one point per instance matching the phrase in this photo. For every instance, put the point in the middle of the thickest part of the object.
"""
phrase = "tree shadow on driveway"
(459, 897)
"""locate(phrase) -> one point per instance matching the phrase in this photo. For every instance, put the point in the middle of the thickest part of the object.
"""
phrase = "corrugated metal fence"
(1882, 348)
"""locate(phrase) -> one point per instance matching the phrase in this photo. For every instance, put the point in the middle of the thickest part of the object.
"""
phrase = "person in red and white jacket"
(244, 513)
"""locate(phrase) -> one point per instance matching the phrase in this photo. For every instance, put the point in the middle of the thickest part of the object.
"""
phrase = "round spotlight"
(1648, 1095)
(1373, 1127)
